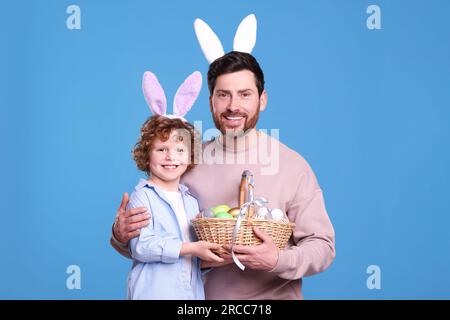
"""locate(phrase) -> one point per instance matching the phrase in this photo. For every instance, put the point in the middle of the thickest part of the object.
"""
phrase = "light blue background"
(369, 110)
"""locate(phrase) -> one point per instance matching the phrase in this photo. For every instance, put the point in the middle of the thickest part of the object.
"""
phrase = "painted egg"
(208, 213)
(223, 215)
(262, 212)
(276, 214)
(234, 211)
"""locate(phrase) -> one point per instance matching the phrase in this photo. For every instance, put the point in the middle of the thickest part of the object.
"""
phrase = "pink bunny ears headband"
(184, 98)
(244, 39)
(187, 93)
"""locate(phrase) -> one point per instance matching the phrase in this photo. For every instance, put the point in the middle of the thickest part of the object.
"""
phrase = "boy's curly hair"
(161, 127)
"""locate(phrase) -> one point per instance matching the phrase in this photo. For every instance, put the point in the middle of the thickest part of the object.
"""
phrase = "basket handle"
(242, 191)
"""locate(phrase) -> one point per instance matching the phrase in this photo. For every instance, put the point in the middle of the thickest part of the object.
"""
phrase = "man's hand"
(260, 257)
(128, 223)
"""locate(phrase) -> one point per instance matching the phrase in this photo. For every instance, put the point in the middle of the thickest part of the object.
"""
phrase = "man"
(237, 95)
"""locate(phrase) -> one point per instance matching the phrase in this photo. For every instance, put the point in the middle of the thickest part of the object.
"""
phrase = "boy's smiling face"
(169, 159)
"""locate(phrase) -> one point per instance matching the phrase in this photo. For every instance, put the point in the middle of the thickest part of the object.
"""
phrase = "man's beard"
(249, 123)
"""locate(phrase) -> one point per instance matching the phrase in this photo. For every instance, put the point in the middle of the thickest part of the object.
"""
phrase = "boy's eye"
(180, 150)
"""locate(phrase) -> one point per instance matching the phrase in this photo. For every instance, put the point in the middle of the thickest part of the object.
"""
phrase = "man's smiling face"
(235, 103)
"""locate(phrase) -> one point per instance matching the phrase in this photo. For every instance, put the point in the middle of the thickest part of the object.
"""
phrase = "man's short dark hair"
(235, 61)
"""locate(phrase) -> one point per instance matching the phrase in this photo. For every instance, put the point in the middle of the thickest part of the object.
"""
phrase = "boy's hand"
(202, 249)
(226, 260)
(129, 222)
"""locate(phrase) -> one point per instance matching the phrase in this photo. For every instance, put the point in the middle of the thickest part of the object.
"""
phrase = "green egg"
(220, 208)
(223, 215)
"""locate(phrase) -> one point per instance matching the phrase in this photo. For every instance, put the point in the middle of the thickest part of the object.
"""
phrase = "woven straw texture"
(220, 231)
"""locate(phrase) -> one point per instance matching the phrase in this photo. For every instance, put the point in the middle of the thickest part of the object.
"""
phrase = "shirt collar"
(145, 183)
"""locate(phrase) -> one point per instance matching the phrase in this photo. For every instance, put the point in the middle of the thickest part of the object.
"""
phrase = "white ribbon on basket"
(242, 212)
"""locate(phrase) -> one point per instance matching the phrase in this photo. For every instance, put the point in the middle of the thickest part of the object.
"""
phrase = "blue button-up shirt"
(158, 270)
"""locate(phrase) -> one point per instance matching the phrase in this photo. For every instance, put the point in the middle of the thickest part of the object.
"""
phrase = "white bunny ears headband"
(184, 98)
(244, 39)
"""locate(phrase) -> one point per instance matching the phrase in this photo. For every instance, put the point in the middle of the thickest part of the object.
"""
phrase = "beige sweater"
(286, 180)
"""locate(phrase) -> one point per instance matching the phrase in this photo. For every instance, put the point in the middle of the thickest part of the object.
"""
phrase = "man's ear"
(210, 104)
(263, 100)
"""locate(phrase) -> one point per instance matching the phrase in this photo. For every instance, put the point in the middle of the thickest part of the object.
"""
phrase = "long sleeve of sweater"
(312, 249)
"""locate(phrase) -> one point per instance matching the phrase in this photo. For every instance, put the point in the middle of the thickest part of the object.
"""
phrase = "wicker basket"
(220, 231)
